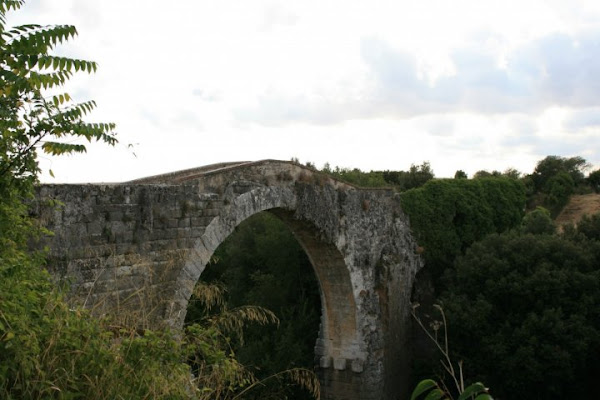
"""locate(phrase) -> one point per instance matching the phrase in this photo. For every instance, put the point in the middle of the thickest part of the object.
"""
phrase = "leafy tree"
(538, 222)
(553, 165)
(594, 180)
(30, 118)
(486, 174)
(512, 173)
(482, 174)
(509, 173)
(418, 175)
(524, 311)
(589, 226)
(558, 189)
(415, 177)
(460, 174)
(357, 177)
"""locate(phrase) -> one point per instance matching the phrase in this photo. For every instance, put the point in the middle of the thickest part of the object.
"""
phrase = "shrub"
(538, 222)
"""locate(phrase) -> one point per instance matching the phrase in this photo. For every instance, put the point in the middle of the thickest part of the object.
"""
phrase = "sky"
(369, 84)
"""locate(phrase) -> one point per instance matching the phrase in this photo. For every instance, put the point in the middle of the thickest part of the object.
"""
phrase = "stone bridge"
(136, 250)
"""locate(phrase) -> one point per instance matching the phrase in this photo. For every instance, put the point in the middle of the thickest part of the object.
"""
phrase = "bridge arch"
(338, 334)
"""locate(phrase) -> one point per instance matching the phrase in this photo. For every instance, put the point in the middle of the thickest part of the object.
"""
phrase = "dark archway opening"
(261, 263)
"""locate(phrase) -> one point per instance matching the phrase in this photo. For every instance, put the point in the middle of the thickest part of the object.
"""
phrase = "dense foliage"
(262, 264)
(555, 179)
(593, 180)
(551, 166)
(448, 215)
(537, 222)
(524, 312)
(522, 301)
(588, 226)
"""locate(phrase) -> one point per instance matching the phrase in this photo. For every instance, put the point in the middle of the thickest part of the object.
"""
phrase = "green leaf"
(422, 387)
(55, 148)
(472, 390)
(484, 396)
(436, 394)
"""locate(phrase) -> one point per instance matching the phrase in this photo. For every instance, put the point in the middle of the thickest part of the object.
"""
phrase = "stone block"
(196, 221)
(320, 347)
(357, 365)
(325, 362)
(211, 212)
(94, 228)
(339, 364)
(115, 215)
(172, 223)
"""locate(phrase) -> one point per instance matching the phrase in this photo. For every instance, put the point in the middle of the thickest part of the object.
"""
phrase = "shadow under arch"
(338, 332)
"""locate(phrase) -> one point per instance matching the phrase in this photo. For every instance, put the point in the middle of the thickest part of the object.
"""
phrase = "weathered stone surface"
(137, 249)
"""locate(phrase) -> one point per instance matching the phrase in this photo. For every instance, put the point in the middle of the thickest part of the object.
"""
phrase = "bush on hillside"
(538, 222)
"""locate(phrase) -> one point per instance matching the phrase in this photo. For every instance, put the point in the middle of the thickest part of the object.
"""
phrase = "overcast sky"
(370, 84)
